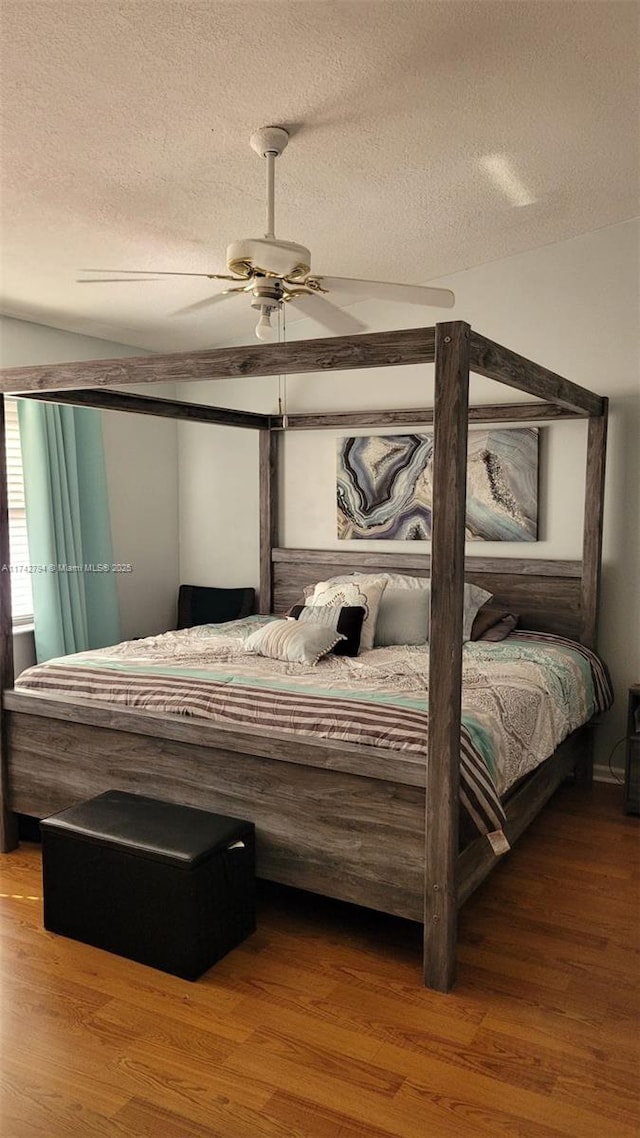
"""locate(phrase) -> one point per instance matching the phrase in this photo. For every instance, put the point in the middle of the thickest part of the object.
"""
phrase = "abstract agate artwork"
(385, 482)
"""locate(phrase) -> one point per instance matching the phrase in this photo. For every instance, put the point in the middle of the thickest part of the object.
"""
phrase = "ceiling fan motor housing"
(268, 256)
(266, 294)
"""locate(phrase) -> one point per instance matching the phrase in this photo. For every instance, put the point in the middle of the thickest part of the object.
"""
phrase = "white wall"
(141, 462)
(573, 307)
(141, 455)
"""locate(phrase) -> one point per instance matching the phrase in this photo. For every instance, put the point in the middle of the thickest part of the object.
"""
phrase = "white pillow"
(353, 591)
(293, 642)
(399, 618)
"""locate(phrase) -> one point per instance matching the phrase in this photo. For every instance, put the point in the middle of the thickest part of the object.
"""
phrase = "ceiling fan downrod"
(269, 142)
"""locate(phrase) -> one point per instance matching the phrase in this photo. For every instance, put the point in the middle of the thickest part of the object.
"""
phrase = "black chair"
(200, 604)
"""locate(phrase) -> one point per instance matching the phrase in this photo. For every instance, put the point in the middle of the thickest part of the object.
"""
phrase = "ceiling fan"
(275, 272)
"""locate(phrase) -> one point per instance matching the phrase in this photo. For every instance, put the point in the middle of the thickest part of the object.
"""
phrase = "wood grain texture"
(592, 530)
(356, 838)
(329, 754)
(154, 405)
(505, 366)
(445, 652)
(8, 824)
(268, 497)
(411, 417)
(316, 1027)
(420, 563)
(336, 353)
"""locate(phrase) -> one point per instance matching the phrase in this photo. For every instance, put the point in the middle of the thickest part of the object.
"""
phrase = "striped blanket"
(521, 697)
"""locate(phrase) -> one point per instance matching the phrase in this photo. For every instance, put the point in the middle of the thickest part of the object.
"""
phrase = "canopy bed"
(332, 816)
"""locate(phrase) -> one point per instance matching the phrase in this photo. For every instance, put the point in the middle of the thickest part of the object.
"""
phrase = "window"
(21, 600)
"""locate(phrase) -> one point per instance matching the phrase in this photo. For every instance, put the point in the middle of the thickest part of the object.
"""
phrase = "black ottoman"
(166, 885)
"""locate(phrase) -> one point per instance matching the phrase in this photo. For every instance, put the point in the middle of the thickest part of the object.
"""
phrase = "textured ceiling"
(126, 126)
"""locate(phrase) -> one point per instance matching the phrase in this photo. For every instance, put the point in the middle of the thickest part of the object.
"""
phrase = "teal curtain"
(74, 588)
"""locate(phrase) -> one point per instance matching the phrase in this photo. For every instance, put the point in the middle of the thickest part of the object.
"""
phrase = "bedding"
(404, 612)
(521, 697)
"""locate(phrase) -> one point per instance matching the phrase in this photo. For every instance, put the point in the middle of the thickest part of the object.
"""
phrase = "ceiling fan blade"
(206, 303)
(113, 280)
(386, 290)
(162, 273)
(323, 312)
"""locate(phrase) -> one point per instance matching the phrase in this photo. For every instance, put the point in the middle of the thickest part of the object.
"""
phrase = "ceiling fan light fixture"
(264, 329)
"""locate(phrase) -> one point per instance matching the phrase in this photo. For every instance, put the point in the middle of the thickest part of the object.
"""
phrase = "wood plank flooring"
(318, 1027)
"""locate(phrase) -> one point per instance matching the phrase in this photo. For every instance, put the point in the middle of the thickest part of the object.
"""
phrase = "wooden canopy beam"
(153, 405)
(335, 353)
(489, 413)
(505, 366)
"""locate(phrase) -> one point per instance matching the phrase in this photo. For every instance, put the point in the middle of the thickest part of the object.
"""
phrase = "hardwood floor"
(317, 1027)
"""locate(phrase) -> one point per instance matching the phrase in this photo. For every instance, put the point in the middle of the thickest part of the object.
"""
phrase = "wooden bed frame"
(337, 819)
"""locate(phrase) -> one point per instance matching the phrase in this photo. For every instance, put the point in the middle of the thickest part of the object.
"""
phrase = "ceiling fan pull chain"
(283, 318)
(282, 379)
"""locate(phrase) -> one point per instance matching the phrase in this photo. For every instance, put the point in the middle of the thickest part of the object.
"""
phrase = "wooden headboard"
(545, 594)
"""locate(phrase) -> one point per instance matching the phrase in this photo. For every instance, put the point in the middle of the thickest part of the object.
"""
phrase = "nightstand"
(632, 755)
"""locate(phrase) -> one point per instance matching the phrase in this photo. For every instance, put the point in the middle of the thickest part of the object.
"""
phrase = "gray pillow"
(292, 641)
(403, 617)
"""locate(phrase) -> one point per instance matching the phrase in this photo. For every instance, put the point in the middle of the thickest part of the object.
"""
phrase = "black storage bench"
(163, 884)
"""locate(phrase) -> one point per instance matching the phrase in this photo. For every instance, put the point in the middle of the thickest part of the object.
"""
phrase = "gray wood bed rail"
(399, 851)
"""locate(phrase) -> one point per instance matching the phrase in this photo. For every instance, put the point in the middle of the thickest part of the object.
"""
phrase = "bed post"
(268, 476)
(592, 532)
(592, 556)
(8, 820)
(451, 404)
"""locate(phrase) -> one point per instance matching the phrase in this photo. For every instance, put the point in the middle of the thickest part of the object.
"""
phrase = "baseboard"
(603, 774)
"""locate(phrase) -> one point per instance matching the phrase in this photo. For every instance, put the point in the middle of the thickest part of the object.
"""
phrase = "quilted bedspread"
(521, 697)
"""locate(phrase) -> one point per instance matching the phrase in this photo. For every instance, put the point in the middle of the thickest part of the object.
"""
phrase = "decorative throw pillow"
(493, 623)
(353, 592)
(501, 630)
(348, 620)
(293, 642)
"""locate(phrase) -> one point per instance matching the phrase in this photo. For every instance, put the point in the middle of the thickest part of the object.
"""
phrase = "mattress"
(521, 697)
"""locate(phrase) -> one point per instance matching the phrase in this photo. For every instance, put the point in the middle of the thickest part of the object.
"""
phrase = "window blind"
(21, 599)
